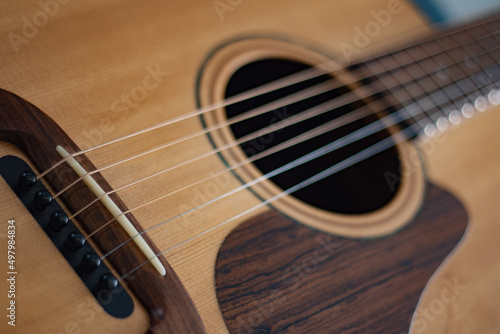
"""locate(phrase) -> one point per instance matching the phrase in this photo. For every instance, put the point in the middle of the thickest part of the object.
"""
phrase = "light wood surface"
(90, 55)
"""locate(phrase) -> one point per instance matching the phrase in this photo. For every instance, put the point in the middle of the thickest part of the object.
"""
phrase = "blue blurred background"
(451, 12)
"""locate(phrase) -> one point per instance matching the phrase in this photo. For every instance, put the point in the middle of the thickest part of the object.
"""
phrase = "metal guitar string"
(322, 74)
(383, 123)
(382, 145)
(328, 148)
(307, 114)
(296, 97)
(331, 125)
(228, 193)
(287, 81)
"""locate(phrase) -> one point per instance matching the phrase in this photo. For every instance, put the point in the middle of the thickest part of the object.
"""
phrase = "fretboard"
(444, 79)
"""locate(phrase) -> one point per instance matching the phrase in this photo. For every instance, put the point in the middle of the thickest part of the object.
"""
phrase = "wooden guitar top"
(102, 70)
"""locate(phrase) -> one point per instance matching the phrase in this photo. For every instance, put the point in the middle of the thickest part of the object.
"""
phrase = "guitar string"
(381, 146)
(305, 183)
(315, 90)
(455, 41)
(272, 86)
(307, 114)
(363, 132)
(296, 97)
(372, 150)
(293, 79)
(329, 126)
(293, 98)
(223, 196)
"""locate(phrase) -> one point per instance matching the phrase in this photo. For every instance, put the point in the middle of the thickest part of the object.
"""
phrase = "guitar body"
(104, 70)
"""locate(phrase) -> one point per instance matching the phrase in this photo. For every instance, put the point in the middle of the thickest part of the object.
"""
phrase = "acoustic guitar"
(236, 166)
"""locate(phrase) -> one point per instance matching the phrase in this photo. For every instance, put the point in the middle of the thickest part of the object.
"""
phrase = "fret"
(432, 47)
(422, 86)
(468, 107)
(453, 92)
(433, 80)
(398, 79)
(426, 104)
(417, 52)
(447, 42)
(494, 71)
(401, 74)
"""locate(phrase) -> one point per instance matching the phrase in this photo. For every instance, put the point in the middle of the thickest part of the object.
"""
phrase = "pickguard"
(276, 276)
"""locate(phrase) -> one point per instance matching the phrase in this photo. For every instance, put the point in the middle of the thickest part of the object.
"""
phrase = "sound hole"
(361, 188)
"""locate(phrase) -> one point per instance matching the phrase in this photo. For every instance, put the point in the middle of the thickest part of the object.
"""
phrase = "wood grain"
(168, 304)
(276, 276)
(91, 53)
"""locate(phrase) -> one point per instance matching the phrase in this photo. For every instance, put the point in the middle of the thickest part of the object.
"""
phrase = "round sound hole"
(362, 188)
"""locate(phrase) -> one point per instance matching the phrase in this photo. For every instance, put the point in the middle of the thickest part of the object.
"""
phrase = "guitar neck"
(442, 79)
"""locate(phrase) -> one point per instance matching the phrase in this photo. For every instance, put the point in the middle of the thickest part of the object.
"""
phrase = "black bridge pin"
(26, 180)
(42, 200)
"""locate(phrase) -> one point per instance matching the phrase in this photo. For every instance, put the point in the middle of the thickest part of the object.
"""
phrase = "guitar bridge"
(67, 238)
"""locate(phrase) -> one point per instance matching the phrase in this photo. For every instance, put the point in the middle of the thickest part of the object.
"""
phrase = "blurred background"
(451, 12)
